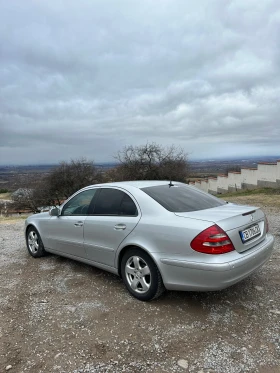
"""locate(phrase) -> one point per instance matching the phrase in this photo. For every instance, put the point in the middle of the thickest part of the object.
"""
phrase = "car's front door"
(66, 231)
(113, 216)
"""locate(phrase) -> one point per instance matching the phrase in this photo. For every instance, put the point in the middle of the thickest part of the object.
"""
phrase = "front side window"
(79, 204)
(180, 198)
(114, 202)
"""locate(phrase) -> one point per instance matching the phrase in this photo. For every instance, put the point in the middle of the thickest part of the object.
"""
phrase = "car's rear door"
(66, 231)
(113, 216)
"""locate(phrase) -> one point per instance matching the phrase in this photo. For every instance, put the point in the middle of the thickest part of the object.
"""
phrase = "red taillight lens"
(212, 240)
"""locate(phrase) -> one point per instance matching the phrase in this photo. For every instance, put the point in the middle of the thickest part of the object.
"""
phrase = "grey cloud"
(112, 73)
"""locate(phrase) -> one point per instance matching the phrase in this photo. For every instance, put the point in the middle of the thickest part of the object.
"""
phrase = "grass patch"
(6, 195)
(252, 192)
(12, 219)
(256, 197)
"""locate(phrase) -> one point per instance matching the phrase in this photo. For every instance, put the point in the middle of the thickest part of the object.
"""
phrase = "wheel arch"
(32, 225)
(29, 226)
(125, 249)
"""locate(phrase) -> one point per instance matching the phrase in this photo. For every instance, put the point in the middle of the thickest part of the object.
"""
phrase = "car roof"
(138, 183)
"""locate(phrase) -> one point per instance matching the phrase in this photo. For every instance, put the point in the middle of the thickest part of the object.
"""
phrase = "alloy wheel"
(33, 242)
(138, 274)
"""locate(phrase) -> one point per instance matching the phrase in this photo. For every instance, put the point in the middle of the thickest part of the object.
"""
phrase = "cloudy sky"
(85, 78)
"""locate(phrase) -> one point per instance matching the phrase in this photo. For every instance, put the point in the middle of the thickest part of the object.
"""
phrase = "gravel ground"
(57, 315)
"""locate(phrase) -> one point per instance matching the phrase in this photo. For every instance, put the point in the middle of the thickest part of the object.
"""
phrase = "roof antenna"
(170, 184)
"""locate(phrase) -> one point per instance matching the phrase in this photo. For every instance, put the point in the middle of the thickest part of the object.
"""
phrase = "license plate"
(250, 233)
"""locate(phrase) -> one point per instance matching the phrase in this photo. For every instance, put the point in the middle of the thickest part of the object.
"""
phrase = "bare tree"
(151, 162)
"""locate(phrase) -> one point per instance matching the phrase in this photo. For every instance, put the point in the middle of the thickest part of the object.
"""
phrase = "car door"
(66, 231)
(113, 216)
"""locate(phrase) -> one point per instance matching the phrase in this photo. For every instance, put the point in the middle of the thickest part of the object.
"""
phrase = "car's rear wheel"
(34, 243)
(140, 275)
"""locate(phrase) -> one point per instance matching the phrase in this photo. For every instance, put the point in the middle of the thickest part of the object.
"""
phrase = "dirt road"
(57, 315)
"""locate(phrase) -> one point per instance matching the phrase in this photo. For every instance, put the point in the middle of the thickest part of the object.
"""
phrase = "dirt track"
(57, 315)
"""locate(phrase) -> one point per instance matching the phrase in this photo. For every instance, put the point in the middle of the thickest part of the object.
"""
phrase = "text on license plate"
(249, 233)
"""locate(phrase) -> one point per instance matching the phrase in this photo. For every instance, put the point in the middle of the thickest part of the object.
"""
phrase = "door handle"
(79, 224)
(119, 227)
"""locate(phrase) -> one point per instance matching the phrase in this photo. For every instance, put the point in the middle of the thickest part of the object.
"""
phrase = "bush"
(58, 185)
(4, 190)
(69, 177)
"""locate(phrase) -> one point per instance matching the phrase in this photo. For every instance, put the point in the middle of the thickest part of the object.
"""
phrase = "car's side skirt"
(84, 260)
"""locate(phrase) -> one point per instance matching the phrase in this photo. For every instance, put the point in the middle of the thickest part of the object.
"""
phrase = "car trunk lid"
(234, 220)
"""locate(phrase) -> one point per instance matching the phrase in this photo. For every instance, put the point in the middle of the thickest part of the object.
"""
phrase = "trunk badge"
(252, 217)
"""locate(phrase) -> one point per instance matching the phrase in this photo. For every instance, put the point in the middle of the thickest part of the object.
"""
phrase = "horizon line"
(191, 160)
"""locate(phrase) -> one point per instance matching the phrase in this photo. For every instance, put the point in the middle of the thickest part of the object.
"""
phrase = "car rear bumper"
(197, 276)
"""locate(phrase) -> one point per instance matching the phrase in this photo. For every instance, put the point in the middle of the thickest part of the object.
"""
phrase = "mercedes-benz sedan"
(156, 235)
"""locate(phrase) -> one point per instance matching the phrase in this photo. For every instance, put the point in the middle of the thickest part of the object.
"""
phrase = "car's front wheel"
(34, 243)
(140, 275)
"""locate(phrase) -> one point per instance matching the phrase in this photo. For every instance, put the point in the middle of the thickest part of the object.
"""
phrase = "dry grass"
(257, 197)
(12, 219)
(257, 200)
(5, 196)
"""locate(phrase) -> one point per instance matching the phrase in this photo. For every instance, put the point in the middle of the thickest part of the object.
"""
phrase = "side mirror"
(54, 211)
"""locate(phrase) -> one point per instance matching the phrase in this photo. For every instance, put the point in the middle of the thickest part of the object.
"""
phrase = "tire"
(34, 243)
(141, 275)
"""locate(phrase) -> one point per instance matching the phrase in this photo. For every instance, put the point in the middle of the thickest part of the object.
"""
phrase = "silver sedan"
(156, 235)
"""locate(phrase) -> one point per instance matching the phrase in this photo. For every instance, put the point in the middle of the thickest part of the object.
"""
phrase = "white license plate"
(249, 233)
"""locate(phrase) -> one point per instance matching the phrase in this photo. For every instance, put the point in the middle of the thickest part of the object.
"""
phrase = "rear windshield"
(180, 198)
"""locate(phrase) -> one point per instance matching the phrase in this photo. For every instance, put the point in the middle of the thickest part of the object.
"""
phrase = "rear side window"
(114, 202)
(127, 207)
(180, 198)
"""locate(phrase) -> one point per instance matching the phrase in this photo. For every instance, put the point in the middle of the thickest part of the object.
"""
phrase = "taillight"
(212, 240)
